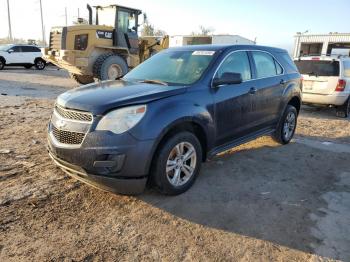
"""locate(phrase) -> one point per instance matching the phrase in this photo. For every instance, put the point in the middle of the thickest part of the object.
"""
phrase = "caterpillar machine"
(104, 50)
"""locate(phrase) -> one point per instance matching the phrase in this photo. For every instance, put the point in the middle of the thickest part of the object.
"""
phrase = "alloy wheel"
(181, 164)
(289, 125)
(40, 64)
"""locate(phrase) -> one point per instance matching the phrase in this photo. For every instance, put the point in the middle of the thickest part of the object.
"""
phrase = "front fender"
(163, 115)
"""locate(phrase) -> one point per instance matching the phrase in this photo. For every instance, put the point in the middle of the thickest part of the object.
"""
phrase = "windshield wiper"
(154, 81)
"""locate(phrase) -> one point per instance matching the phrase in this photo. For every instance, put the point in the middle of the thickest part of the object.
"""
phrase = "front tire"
(110, 67)
(2, 63)
(344, 110)
(287, 125)
(177, 163)
(40, 64)
(82, 79)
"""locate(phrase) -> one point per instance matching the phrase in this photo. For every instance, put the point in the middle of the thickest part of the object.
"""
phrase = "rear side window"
(266, 65)
(318, 67)
(287, 61)
(347, 68)
(237, 62)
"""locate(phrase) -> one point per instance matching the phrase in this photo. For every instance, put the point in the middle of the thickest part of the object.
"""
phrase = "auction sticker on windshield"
(203, 53)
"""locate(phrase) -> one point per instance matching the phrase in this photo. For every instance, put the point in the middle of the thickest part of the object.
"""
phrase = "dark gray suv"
(161, 120)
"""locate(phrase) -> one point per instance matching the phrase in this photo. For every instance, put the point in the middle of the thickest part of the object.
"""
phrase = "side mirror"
(10, 51)
(228, 79)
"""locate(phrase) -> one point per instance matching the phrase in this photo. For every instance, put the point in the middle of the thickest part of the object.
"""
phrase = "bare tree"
(149, 30)
(203, 31)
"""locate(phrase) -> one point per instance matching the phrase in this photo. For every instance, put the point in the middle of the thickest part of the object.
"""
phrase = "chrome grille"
(67, 137)
(74, 115)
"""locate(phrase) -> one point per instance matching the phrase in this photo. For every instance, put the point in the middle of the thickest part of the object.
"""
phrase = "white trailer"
(183, 40)
(322, 44)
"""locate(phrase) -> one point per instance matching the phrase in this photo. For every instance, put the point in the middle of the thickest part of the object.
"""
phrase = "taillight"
(341, 85)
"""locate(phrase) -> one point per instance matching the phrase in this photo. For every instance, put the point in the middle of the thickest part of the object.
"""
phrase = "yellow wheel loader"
(104, 50)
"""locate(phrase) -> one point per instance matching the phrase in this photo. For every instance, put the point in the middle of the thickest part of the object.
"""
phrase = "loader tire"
(110, 67)
(82, 79)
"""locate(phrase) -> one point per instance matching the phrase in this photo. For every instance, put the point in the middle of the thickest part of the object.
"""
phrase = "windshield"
(106, 16)
(173, 67)
(318, 67)
(4, 47)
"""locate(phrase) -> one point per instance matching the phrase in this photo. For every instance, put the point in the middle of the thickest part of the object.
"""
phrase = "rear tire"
(344, 110)
(39, 64)
(287, 125)
(110, 67)
(2, 63)
(173, 172)
(82, 79)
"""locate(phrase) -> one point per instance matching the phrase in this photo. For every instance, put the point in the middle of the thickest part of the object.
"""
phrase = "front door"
(233, 102)
(15, 56)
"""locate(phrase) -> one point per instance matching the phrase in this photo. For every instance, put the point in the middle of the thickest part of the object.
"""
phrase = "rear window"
(318, 67)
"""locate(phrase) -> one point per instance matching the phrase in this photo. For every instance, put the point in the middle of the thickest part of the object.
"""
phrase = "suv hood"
(101, 97)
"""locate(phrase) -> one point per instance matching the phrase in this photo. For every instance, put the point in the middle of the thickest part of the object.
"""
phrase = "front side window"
(16, 49)
(265, 65)
(173, 67)
(28, 49)
(237, 62)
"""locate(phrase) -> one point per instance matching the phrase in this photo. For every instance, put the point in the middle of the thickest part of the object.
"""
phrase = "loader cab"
(124, 20)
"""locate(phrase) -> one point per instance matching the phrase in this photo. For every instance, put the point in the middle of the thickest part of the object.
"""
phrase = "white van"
(326, 81)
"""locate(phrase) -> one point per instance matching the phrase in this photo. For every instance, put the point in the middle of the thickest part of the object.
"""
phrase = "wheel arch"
(188, 125)
(3, 59)
(296, 102)
(39, 58)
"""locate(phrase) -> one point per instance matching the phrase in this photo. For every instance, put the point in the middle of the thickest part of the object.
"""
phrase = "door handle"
(282, 82)
(252, 90)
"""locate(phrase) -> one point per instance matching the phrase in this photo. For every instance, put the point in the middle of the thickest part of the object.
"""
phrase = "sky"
(271, 22)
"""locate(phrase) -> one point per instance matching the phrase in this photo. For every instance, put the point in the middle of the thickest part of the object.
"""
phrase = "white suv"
(326, 81)
(21, 55)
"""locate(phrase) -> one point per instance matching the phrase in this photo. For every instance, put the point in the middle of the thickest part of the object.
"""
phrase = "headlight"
(123, 119)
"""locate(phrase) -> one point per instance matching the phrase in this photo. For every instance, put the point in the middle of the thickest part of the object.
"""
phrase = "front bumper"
(116, 163)
(130, 186)
(336, 99)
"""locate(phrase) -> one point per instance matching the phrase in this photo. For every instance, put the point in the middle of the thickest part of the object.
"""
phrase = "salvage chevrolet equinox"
(160, 121)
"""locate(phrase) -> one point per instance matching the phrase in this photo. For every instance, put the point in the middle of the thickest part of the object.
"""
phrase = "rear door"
(30, 53)
(233, 102)
(319, 76)
(269, 82)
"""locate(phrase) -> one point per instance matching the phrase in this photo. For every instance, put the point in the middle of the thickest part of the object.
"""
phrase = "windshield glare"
(4, 47)
(318, 67)
(106, 16)
(173, 67)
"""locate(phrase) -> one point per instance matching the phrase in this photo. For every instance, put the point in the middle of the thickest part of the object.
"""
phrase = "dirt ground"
(258, 202)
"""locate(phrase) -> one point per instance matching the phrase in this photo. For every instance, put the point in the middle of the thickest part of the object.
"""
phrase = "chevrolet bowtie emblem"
(61, 123)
